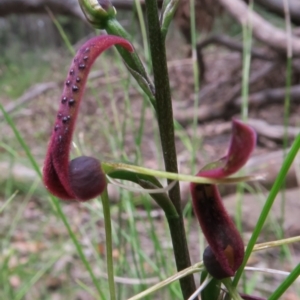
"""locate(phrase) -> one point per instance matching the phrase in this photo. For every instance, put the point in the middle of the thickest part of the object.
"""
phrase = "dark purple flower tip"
(242, 143)
(86, 177)
(225, 252)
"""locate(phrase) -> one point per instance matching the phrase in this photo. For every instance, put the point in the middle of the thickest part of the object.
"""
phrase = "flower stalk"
(102, 15)
(108, 243)
(166, 129)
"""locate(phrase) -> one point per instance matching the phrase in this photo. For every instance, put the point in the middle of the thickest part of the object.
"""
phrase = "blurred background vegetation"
(38, 259)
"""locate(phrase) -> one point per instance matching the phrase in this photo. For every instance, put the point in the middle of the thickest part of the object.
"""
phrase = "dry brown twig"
(277, 7)
(232, 44)
(274, 132)
(271, 96)
(265, 32)
(30, 94)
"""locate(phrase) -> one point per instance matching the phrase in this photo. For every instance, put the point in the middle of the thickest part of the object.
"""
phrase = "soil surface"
(99, 120)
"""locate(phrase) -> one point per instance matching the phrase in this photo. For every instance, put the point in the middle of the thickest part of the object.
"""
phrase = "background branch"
(232, 44)
(276, 6)
(262, 29)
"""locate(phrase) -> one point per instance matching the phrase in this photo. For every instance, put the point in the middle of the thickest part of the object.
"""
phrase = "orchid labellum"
(225, 252)
(82, 178)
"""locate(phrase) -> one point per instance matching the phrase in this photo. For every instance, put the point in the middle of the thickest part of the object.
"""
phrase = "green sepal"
(101, 14)
(98, 12)
(212, 290)
(169, 9)
(132, 60)
(148, 182)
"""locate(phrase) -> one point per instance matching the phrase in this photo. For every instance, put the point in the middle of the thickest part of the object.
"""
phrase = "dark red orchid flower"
(82, 178)
(225, 252)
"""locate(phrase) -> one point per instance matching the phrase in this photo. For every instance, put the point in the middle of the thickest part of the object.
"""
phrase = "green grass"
(18, 71)
(50, 247)
(126, 243)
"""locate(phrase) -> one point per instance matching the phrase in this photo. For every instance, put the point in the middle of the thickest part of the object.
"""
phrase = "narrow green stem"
(277, 243)
(287, 102)
(132, 60)
(231, 289)
(247, 42)
(169, 8)
(286, 284)
(109, 167)
(197, 268)
(61, 32)
(109, 248)
(195, 136)
(165, 123)
(77, 246)
(289, 71)
(163, 96)
(54, 200)
(162, 200)
(141, 18)
(268, 205)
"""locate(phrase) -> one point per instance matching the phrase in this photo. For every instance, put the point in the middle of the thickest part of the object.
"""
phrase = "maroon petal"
(243, 141)
(57, 175)
(225, 252)
(226, 249)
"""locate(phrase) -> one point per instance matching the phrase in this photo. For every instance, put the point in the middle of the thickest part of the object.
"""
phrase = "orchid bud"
(97, 12)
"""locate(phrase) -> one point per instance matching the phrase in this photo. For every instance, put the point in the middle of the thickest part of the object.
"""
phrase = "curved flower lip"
(97, 12)
(226, 251)
(56, 173)
(242, 144)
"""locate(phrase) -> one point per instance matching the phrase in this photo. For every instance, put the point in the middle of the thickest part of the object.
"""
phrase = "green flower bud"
(98, 12)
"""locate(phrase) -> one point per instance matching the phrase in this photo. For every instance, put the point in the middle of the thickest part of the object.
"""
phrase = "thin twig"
(30, 94)
(232, 44)
(262, 29)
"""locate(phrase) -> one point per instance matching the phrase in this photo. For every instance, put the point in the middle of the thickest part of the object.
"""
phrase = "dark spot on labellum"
(59, 138)
(64, 119)
(56, 127)
(71, 102)
(85, 57)
(75, 59)
(86, 177)
(71, 71)
(64, 100)
(81, 66)
(86, 50)
(78, 79)
(75, 88)
(59, 115)
(68, 118)
(213, 266)
(68, 82)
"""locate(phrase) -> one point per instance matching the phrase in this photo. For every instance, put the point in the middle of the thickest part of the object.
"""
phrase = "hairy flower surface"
(82, 178)
(225, 252)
